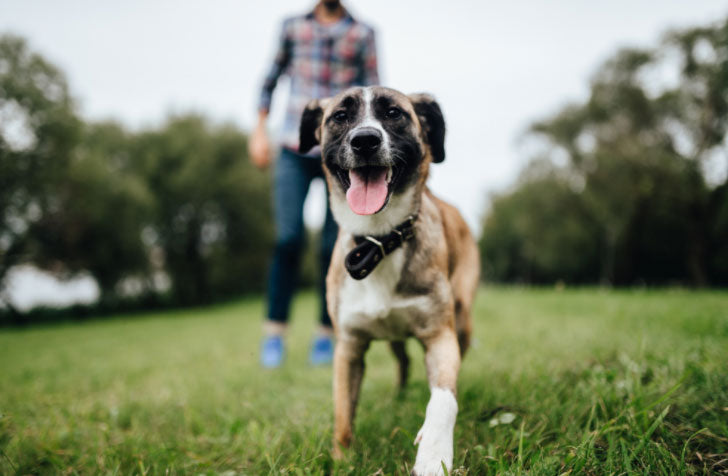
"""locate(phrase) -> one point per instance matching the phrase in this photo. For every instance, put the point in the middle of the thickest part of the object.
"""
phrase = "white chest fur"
(373, 306)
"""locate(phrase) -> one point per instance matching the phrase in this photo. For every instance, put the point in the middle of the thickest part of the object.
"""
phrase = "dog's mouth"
(368, 188)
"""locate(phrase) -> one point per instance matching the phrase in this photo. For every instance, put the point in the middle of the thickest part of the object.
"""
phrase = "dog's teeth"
(389, 174)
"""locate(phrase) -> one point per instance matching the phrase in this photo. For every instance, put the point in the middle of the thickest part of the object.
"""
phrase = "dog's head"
(377, 145)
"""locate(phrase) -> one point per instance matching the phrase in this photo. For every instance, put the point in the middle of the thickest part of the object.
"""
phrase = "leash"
(370, 250)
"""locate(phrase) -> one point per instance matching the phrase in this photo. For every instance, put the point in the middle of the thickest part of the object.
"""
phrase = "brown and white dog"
(404, 264)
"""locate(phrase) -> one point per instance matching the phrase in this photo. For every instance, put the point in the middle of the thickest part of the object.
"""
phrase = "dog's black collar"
(370, 250)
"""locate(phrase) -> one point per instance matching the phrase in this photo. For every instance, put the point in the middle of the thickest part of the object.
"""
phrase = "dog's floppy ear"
(432, 122)
(310, 131)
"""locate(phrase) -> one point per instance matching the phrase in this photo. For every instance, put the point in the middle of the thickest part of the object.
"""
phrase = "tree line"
(629, 186)
(173, 214)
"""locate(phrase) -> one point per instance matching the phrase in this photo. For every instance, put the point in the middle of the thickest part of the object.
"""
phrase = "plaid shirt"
(321, 61)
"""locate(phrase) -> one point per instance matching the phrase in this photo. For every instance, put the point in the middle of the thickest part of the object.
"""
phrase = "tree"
(104, 207)
(38, 132)
(181, 201)
(638, 150)
(541, 232)
(212, 213)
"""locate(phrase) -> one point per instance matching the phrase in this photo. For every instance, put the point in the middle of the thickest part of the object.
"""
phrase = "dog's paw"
(435, 438)
(435, 448)
(337, 454)
(431, 466)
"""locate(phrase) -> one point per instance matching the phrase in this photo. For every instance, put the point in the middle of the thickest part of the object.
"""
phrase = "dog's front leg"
(435, 438)
(348, 372)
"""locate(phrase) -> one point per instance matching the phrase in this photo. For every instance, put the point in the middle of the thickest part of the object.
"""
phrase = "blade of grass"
(520, 446)
(649, 432)
(683, 469)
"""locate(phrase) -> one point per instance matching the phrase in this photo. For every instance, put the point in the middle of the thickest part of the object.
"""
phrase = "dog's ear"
(432, 122)
(310, 130)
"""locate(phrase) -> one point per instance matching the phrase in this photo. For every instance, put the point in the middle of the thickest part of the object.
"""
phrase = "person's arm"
(259, 145)
(370, 75)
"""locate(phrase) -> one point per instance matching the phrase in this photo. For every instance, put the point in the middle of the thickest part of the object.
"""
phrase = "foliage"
(599, 382)
(540, 232)
(175, 210)
(212, 215)
(104, 204)
(38, 133)
(637, 157)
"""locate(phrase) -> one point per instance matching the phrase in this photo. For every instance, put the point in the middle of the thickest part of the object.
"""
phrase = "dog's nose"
(366, 141)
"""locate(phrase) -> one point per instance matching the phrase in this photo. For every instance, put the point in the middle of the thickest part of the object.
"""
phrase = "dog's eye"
(340, 116)
(394, 113)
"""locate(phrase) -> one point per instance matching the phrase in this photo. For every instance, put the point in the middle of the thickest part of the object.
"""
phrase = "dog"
(405, 263)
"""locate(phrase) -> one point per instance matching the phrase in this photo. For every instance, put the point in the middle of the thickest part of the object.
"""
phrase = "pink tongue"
(368, 190)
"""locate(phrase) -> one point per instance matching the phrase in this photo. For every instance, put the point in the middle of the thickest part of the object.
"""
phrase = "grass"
(578, 382)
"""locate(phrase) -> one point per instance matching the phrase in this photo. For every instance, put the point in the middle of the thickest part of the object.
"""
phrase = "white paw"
(430, 467)
(435, 438)
(435, 448)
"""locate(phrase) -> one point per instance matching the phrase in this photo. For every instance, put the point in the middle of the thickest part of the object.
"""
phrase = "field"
(582, 381)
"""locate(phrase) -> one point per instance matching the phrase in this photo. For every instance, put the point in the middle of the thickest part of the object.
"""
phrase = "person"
(323, 53)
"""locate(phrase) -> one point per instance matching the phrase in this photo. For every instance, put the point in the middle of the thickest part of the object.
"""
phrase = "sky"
(495, 67)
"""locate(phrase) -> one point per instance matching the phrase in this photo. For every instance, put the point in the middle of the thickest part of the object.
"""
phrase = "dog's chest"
(374, 307)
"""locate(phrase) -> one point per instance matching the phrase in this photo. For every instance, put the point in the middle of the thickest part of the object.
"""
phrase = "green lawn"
(599, 382)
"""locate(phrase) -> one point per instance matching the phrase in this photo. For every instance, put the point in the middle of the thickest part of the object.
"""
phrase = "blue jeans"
(292, 177)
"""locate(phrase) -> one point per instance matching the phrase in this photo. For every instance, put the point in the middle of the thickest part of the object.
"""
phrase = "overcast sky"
(494, 66)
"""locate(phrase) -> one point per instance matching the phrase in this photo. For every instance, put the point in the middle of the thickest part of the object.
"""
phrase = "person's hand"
(259, 147)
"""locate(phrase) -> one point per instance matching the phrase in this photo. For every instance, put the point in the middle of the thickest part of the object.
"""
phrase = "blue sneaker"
(271, 352)
(322, 351)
